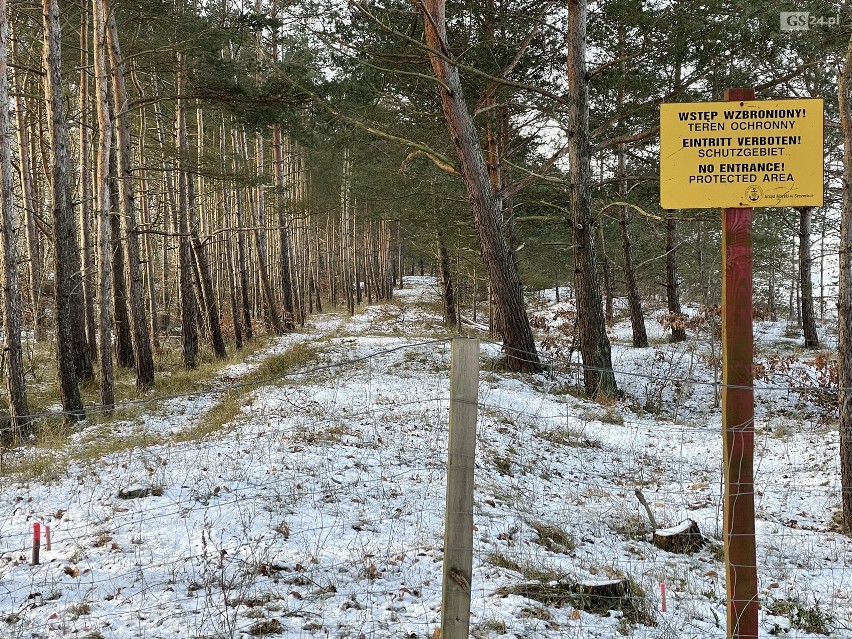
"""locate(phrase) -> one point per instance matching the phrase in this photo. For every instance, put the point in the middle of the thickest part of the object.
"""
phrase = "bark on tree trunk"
(447, 294)
(367, 259)
(283, 230)
(844, 332)
(65, 236)
(227, 201)
(703, 276)
(88, 275)
(168, 165)
(805, 278)
(822, 272)
(22, 115)
(18, 408)
(772, 293)
(61, 192)
(606, 268)
(316, 276)
(634, 300)
(121, 316)
(232, 289)
(347, 258)
(258, 221)
(202, 258)
(591, 328)
(795, 291)
(389, 254)
(149, 238)
(242, 250)
(104, 204)
(503, 276)
(672, 284)
(188, 309)
(141, 339)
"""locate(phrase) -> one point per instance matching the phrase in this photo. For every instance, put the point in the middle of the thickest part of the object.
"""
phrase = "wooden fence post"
(458, 520)
(738, 415)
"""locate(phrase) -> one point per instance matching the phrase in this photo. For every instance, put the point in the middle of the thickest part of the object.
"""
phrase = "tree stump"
(685, 538)
(602, 595)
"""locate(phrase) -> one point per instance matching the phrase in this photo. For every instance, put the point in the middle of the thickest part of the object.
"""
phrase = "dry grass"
(51, 455)
(298, 357)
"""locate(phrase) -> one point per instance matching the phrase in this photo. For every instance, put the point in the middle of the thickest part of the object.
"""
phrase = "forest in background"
(214, 171)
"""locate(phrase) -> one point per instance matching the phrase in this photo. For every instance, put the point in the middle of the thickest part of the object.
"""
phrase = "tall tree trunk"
(507, 199)
(203, 259)
(141, 338)
(347, 259)
(367, 264)
(772, 292)
(796, 300)
(313, 279)
(242, 250)
(18, 409)
(258, 222)
(400, 260)
(22, 114)
(316, 273)
(388, 257)
(331, 260)
(121, 316)
(88, 274)
(188, 309)
(60, 161)
(502, 272)
(149, 238)
(149, 243)
(169, 217)
(634, 300)
(227, 203)
(104, 201)
(65, 236)
(232, 287)
(703, 276)
(283, 229)
(822, 272)
(200, 307)
(805, 278)
(672, 283)
(593, 340)
(606, 268)
(447, 294)
(844, 332)
(258, 213)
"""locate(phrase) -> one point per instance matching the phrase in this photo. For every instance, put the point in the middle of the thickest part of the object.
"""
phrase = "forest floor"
(301, 494)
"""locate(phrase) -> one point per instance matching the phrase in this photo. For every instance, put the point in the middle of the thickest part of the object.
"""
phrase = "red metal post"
(36, 542)
(738, 415)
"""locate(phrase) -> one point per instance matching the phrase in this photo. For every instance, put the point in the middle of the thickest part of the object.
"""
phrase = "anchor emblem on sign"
(753, 194)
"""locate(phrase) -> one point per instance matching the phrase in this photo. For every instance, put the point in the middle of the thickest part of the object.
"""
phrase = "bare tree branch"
(628, 139)
(446, 57)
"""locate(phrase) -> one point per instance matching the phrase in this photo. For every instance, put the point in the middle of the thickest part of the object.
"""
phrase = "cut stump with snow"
(685, 538)
(602, 594)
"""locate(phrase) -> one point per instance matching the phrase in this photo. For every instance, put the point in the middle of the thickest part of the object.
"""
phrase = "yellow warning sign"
(741, 154)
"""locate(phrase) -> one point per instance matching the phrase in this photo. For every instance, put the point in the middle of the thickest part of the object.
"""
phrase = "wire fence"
(319, 511)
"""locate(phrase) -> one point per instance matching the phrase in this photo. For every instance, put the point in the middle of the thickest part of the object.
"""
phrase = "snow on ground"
(319, 511)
